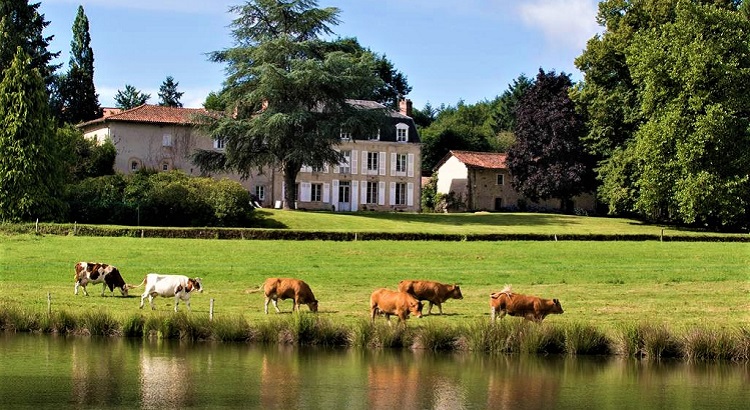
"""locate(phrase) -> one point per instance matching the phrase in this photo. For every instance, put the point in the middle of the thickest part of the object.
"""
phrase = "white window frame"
(371, 194)
(372, 162)
(220, 143)
(316, 192)
(500, 179)
(345, 135)
(402, 132)
(260, 192)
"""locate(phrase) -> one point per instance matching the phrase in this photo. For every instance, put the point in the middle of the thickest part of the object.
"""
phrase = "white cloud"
(568, 23)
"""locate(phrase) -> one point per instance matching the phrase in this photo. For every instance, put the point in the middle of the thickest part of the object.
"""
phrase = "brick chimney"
(404, 107)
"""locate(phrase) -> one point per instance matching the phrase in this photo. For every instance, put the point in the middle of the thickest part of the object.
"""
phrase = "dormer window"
(375, 137)
(346, 135)
(402, 132)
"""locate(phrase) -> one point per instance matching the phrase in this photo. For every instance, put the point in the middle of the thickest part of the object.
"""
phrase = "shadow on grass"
(263, 219)
(469, 219)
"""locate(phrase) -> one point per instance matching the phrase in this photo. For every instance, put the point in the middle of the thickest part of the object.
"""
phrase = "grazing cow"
(177, 286)
(107, 275)
(530, 307)
(284, 288)
(391, 302)
(434, 292)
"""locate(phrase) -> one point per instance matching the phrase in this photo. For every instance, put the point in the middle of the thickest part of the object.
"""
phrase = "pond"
(43, 371)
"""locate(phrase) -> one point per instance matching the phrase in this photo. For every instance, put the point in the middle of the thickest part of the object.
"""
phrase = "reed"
(648, 341)
(438, 338)
(581, 338)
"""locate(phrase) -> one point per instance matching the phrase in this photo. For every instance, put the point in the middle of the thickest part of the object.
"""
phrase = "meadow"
(678, 286)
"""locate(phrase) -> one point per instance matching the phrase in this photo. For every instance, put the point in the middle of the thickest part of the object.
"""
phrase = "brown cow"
(434, 292)
(299, 291)
(530, 307)
(390, 303)
(107, 275)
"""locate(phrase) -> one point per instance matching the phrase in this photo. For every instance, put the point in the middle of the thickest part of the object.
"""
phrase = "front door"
(345, 190)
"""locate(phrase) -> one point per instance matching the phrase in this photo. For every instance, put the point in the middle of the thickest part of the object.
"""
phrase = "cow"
(286, 288)
(94, 273)
(391, 302)
(434, 292)
(177, 286)
(530, 307)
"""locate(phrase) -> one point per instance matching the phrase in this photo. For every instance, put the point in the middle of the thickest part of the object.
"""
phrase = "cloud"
(567, 23)
(175, 6)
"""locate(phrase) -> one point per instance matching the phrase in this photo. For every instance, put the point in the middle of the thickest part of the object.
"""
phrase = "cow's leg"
(492, 314)
(143, 297)
(440, 306)
(373, 312)
(176, 302)
(187, 303)
(276, 304)
(266, 304)
(429, 310)
(104, 287)
(151, 301)
(76, 287)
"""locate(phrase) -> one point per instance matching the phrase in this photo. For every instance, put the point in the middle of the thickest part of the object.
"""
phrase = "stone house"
(381, 171)
(481, 181)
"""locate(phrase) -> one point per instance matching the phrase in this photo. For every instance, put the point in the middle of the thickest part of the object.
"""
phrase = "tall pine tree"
(168, 95)
(30, 171)
(21, 25)
(80, 102)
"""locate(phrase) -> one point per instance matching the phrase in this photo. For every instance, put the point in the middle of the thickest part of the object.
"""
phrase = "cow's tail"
(260, 288)
(507, 290)
(136, 286)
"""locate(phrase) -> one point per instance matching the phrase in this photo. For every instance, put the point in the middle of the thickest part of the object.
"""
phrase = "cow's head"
(456, 292)
(313, 306)
(415, 308)
(556, 306)
(195, 284)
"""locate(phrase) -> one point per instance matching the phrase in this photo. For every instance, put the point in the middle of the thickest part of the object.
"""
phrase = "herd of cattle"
(402, 303)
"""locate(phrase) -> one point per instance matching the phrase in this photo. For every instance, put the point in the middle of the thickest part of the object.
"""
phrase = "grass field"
(605, 284)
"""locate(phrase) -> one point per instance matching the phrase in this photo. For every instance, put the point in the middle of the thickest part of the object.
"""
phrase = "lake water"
(44, 371)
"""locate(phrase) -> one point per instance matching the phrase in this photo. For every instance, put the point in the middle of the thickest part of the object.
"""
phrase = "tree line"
(657, 129)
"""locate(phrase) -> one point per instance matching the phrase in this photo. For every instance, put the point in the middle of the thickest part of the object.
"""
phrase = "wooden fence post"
(211, 311)
(49, 304)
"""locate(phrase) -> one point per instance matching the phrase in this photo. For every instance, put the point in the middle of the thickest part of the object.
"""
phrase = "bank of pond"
(508, 336)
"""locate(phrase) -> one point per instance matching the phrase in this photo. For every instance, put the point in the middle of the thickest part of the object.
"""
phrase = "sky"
(449, 50)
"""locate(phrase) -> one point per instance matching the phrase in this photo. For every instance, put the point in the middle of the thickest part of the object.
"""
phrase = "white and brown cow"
(177, 286)
(285, 288)
(389, 302)
(434, 292)
(94, 273)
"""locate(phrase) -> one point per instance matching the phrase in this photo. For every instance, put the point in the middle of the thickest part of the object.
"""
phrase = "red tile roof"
(154, 114)
(488, 160)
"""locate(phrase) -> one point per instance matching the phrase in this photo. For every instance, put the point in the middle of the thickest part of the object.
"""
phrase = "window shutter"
(353, 158)
(335, 193)
(381, 193)
(381, 163)
(410, 194)
(364, 162)
(305, 195)
(393, 164)
(326, 193)
(355, 197)
(392, 198)
(363, 191)
(410, 166)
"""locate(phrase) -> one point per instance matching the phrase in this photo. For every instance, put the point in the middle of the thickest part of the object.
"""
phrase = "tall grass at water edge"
(508, 336)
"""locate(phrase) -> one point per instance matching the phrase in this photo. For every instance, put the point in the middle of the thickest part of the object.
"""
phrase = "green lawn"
(601, 283)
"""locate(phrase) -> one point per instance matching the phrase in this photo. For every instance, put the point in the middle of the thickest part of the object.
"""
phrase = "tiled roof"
(154, 114)
(488, 160)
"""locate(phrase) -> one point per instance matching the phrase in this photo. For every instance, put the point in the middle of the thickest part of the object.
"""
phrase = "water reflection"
(45, 371)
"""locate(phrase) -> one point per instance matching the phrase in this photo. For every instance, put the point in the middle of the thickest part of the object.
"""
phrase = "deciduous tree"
(548, 159)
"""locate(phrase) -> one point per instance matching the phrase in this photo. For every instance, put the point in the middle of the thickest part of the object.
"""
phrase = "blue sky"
(450, 50)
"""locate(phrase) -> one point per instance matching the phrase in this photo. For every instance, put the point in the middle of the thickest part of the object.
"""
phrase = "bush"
(159, 199)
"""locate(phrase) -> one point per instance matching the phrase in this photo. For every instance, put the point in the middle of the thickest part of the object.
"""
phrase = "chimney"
(404, 107)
